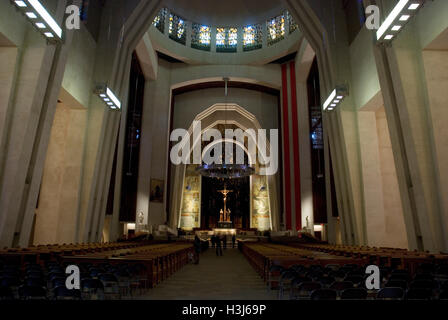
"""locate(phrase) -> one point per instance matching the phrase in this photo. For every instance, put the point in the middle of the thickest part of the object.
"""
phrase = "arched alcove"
(244, 120)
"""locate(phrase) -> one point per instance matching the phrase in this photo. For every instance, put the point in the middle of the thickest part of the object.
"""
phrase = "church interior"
(223, 150)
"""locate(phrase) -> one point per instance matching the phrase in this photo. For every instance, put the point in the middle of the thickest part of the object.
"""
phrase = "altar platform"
(224, 231)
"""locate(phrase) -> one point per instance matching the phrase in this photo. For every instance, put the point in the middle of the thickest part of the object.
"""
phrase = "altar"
(224, 232)
(225, 225)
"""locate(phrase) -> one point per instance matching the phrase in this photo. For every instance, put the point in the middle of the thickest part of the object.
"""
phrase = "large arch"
(133, 30)
(244, 120)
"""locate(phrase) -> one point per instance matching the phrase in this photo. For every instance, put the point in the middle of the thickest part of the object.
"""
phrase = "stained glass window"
(293, 26)
(226, 39)
(317, 137)
(201, 37)
(159, 20)
(177, 29)
(276, 29)
(252, 38)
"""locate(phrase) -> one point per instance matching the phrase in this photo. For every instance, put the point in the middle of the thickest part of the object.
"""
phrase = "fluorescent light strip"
(21, 4)
(405, 17)
(31, 15)
(414, 6)
(47, 17)
(330, 99)
(112, 97)
(391, 18)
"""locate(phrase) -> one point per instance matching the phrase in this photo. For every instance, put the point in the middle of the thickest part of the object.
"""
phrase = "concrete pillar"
(436, 74)
(402, 84)
(37, 88)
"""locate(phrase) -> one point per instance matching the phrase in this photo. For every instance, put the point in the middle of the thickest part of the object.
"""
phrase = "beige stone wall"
(436, 72)
(395, 231)
(382, 203)
(57, 212)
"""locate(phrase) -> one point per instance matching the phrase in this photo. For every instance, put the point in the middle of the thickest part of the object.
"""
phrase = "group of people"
(220, 242)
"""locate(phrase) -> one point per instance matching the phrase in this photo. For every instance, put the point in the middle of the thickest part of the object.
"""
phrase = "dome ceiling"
(226, 12)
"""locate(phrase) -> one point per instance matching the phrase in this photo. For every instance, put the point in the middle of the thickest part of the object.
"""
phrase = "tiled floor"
(215, 278)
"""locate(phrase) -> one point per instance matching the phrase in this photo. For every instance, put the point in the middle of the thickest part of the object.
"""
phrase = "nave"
(229, 277)
(282, 268)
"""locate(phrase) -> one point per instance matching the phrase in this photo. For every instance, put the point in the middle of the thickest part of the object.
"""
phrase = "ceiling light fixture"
(335, 98)
(398, 17)
(34, 10)
(108, 97)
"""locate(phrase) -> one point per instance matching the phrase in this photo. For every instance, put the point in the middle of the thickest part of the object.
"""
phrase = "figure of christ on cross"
(225, 215)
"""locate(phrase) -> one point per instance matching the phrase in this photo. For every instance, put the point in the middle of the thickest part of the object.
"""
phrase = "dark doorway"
(238, 201)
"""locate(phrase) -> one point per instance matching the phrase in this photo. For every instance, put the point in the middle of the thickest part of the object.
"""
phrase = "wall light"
(336, 97)
(108, 97)
(396, 20)
(40, 18)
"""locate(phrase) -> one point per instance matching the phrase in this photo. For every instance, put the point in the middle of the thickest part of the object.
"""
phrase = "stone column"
(37, 88)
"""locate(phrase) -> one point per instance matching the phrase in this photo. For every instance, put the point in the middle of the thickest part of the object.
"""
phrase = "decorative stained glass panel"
(317, 138)
(177, 29)
(252, 37)
(276, 29)
(201, 37)
(226, 39)
(159, 20)
(293, 26)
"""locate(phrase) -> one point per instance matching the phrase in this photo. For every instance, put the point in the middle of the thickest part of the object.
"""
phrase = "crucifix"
(225, 217)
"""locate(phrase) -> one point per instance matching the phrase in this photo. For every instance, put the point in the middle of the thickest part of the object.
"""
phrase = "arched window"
(226, 39)
(177, 29)
(252, 38)
(276, 29)
(159, 20)
(201, 37)
(293, 26)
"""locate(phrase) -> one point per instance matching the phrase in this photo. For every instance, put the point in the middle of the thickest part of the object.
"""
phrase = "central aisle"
(215, 278)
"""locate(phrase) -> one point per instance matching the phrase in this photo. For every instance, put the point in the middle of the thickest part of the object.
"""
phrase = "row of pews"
(43, 253)
(387, 257)
(155, 261)
(263, 256)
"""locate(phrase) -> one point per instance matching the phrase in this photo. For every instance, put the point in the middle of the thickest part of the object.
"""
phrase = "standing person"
(233, 241)
(212, 239)
(197, 248)
(218, 246)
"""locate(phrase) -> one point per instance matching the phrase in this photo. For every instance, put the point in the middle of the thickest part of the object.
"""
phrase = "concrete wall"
(57, 212)
(263, 106)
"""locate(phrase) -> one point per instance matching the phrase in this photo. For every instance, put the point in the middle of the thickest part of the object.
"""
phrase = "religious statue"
(141, 218)
(226, 213)
(228, 216)
(221, 215)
